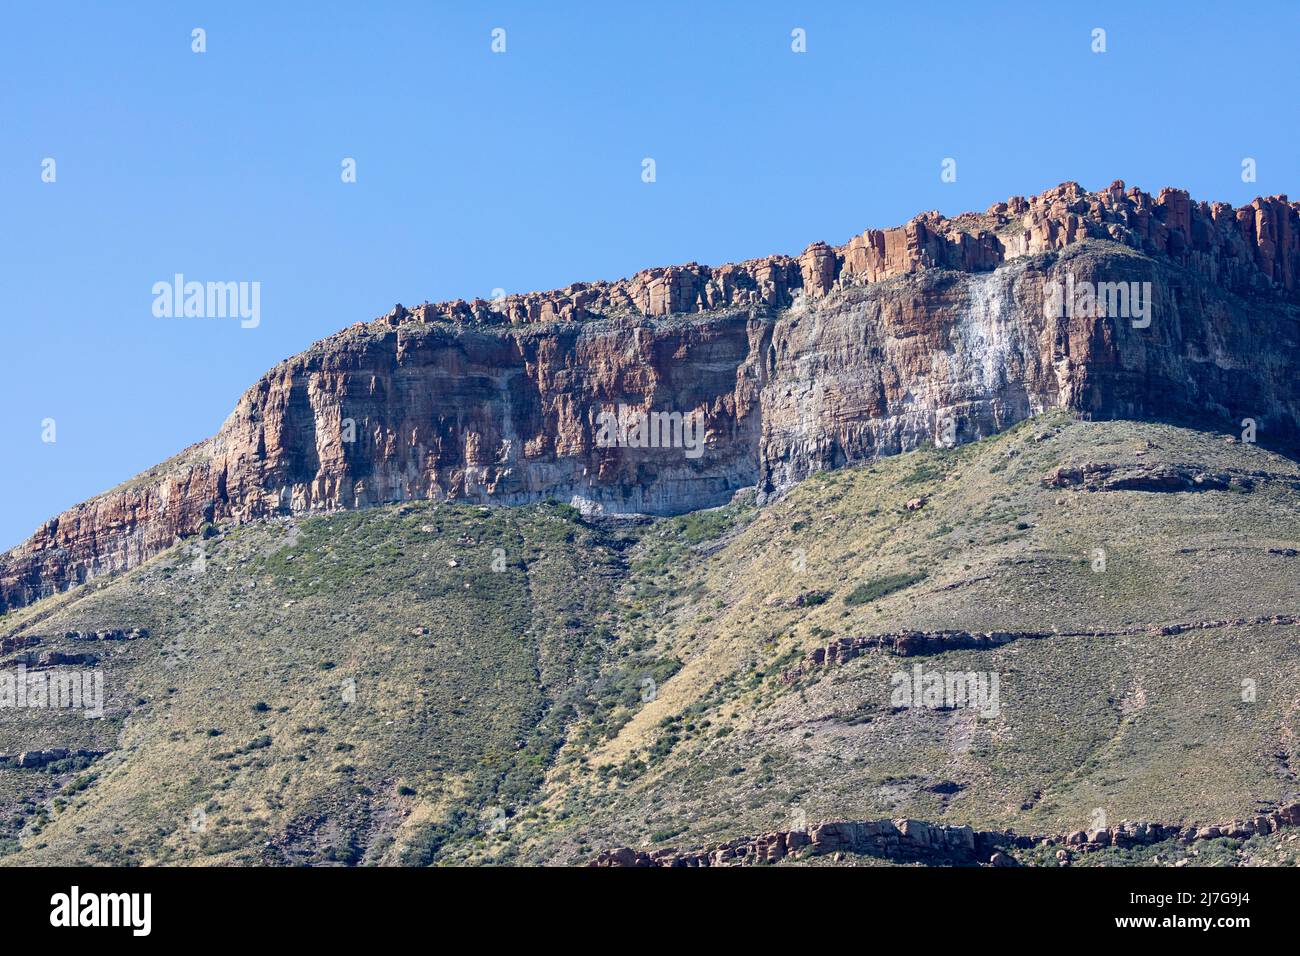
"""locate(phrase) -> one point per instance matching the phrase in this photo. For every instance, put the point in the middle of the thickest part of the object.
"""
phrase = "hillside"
(354, 688)
(656, 683)
(1131, 722)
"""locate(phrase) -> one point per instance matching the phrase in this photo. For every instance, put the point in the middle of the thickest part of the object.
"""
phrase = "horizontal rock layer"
(938, 330)
(918, 841)
(1252, 247)
(924, 643)
(31, 759)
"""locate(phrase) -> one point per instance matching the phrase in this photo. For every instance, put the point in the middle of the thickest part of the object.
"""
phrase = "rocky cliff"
(939, 330)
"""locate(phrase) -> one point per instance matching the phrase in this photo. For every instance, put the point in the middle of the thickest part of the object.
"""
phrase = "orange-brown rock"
(932, 843)
(793, 364)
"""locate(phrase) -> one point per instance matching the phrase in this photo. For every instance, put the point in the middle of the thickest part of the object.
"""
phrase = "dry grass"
(622, 683)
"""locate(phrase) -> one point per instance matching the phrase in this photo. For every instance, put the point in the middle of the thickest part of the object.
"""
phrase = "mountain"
(448, 683)
(938, 327)
(923, 453)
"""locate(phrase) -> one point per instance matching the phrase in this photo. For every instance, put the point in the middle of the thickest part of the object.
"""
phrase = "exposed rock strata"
(1256, 246)
(34, 759)
(10, 644)
(111, 634)
(1105, 477)
(916, 840)
(921, 643)
(796, 364)
(52, 658)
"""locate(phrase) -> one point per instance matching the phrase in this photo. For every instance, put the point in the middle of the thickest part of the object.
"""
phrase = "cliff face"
(939, 330)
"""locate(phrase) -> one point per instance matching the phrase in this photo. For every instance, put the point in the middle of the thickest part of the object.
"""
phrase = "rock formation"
(918, 841)
(938, 330)
(924, 643)
(32, 759)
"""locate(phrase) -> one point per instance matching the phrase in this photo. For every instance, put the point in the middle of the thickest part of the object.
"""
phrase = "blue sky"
(522, 170)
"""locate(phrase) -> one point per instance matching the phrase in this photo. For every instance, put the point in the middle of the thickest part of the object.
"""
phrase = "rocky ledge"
(35, 759)
(918, 841)
(1094, 476)
(921, 643)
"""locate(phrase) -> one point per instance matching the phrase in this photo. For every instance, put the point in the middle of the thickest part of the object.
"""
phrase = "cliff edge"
(941, 330)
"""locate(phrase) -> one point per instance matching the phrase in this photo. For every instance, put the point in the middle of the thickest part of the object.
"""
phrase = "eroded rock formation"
(33, 759)
(936, 329)
(916, 840)
(924, 643)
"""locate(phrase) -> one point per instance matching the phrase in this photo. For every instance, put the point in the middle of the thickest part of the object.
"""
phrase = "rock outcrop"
(54, 658)
(938, 330)
(34, 759)
(1094, 476)
(110, 634)
(1256, 246)
(924, 643)
(918, 841)
(17, 642)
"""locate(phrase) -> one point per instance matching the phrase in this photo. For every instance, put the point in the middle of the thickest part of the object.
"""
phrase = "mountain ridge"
(935, 330)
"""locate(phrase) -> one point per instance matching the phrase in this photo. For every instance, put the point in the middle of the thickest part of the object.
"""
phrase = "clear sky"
(522, 170)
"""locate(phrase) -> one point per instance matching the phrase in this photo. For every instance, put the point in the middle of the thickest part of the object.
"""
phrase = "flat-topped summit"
(1258, 244)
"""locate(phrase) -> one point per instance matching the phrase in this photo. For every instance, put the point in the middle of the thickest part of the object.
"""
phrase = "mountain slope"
(1126, 723)
(353, 688)
(655, 682)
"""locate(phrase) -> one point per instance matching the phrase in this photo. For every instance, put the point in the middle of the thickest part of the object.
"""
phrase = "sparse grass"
(384, 635)
(364, 688)
(868, 591)
(993, 549)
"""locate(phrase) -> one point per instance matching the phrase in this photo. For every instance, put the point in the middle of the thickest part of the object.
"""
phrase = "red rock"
(497, 401)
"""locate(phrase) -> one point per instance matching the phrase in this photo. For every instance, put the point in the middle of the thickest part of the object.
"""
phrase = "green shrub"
(869, 591)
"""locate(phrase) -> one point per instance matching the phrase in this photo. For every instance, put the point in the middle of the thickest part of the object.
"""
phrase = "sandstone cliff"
(933, 331)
